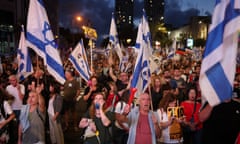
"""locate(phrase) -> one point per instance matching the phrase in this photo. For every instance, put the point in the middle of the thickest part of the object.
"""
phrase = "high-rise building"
(11, 18)
(154, 10)
(13, 13)
(155, 14)
(124, 19)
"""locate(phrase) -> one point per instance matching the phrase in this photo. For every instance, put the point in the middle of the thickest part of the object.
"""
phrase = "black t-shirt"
(104, 133)
(120, 85)
(223, 125)
(156, 97)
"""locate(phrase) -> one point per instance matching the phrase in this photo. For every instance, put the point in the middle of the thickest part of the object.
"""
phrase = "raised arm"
(205, 113)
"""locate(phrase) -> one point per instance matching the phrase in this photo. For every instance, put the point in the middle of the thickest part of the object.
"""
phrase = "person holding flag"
(220, 113)
(143, 128)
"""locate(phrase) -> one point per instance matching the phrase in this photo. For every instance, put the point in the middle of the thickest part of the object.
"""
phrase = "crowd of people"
(42, 109)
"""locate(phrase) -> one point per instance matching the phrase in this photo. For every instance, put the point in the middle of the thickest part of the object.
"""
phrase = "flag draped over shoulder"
(24, 61)
(40, 39)
(113, 39)
(141, 75)
(78, 58)
(219, 59)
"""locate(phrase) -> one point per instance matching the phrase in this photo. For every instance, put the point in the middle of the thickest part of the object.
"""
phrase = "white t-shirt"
(50, 106)
(7, 110)
(165, 138)
(119, 108)
(17, 102)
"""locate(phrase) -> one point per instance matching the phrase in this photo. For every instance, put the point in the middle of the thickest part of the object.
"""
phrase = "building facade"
(155, 15)
(197, 29)
(11, 17)
(13, 14)
(124, 19)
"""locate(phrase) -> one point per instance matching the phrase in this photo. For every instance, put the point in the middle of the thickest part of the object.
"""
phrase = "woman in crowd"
(112, 96)
(156, 92)
(92, 88)
(97, 122)
(165, 121)
(6, 116)
(191, 126)
(54, 109)
(32, 119)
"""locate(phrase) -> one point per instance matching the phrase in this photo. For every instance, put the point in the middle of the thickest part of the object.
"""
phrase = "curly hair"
(168, 98)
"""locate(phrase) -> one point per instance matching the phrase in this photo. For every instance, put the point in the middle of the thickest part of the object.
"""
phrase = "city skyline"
(177, 12)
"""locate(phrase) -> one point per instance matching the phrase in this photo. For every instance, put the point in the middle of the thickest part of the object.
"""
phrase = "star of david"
(146, 37)
(81, 60)
(145, 72)
(79, 56)
(46, 31)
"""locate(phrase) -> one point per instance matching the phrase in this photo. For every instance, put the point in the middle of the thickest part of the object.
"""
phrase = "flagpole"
(37, 69)
(91, 56)
(150, 94)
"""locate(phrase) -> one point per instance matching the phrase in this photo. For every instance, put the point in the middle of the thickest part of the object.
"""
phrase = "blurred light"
(157, 43)
(129, 40)
(79, 18)
(200, 22)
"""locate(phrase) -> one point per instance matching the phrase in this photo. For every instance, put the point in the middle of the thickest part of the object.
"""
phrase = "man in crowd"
(143, 123)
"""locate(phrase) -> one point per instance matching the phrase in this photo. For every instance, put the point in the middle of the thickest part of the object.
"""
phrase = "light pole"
(91, 34)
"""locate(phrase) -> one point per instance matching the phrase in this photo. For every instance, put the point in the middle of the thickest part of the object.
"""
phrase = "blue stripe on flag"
(55, 65)
(136, 73)
(49, 60)
(112, 38)
(37, 42)
(137, 45)
(29, 63)
(219, 82)
(79, 69)
(216, 34)
(41, 2)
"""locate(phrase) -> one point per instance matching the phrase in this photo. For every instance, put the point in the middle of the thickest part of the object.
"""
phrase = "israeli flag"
(219, 58)
(113, 39)
(78, 58)
(40, 39)
(141, 75)
(25, 67)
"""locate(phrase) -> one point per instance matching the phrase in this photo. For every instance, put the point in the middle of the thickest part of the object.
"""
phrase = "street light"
(78, 18)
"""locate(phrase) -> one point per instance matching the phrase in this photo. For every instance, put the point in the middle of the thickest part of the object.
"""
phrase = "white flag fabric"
(78, 58)
(219, 59)
(113, 39)
(141, 75)
(25, 67)
(40, 39)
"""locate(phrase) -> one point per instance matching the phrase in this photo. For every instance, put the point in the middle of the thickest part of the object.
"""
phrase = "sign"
(90, 33)
(175, 130)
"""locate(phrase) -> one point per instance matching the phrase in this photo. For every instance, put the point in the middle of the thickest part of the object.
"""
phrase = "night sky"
(98, 12)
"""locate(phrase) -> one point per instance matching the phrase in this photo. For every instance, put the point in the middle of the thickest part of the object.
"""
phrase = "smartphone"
(97, 106)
